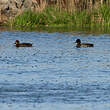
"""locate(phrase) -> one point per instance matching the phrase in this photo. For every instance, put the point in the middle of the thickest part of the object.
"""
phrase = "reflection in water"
(54, 70)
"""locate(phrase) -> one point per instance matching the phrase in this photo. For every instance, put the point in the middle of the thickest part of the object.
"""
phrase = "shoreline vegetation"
(65, 13)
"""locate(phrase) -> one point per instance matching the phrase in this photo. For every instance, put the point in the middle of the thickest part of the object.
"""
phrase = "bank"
(24, 14)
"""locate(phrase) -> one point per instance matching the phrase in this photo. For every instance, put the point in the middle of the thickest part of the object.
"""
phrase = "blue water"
(54, 72)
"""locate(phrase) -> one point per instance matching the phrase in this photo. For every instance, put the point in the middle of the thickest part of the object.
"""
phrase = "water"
(54, 74)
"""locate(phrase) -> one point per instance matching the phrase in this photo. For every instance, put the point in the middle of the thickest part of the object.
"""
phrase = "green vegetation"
(105, 14)
(51, 16)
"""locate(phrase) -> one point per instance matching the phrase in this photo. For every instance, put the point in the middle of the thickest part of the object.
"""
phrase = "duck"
(79, 44)
(18, 44)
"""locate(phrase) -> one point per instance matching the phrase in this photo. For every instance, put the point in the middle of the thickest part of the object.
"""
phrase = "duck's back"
(87, 45)
(24, 45)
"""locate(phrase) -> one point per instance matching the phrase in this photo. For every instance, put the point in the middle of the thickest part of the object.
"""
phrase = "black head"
(17, 42)
(78, 41)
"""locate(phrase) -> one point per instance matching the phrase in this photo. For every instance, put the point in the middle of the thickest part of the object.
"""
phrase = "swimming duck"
(79, 44)
(18, 44)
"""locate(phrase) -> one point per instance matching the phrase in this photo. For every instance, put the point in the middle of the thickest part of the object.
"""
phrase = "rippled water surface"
(54, 74)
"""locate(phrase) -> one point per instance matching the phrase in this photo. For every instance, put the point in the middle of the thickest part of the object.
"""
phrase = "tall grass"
(105, 14)
(49, 16)
(53, 17)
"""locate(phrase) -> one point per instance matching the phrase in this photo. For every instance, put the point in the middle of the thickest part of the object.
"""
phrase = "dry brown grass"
(68, 5)
(79, 5)
(39, 5)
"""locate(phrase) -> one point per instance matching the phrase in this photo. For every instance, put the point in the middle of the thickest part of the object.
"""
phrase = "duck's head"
(78, 41)
(17, 42)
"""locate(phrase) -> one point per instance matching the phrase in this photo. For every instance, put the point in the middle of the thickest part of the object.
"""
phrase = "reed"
(79, 5)
(39, 5)
(105, 14)
(66, 13)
